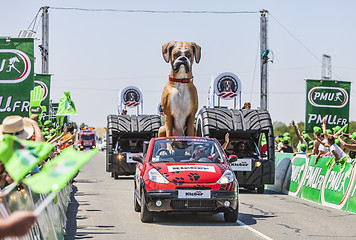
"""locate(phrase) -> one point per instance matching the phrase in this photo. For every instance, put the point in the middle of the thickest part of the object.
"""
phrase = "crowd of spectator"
(334, 143)
(20, 222)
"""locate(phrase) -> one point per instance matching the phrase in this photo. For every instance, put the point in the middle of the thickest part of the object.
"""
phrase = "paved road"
(102, 208)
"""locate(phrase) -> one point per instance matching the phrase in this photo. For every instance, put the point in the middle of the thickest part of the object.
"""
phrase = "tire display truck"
(251, 133)
(126, 134)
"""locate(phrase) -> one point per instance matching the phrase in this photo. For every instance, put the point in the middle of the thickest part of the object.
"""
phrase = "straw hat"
(17, 126)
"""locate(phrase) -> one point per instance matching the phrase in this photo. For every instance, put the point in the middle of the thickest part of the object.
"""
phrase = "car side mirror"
(232, 158)
(138, 158)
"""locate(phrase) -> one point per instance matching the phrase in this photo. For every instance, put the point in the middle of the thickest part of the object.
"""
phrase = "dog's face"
(181, 55)
(227, 86)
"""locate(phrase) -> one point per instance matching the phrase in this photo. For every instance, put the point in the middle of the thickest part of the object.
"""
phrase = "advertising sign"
(16, 76)
(326, 98)
(131, 96)
(227, 86)
(44, 81)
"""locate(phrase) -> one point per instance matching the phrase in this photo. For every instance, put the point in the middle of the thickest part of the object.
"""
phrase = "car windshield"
(88, 137)
(243, 148)
(186, 151)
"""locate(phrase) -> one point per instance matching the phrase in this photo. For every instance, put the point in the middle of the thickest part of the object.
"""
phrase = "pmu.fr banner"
(327, 98)
(44, 81)
(16, 76)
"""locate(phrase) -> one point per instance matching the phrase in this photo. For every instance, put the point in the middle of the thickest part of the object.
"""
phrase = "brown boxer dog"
(179, 97)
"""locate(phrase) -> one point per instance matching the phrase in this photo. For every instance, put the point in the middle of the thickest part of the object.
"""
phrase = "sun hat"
(303, 147)
(317, 130)
(336, 129)
(306, 136)
(52, 131)
(286, 134)
(286, 140)
(328, 131)
(48, 123)
(17, 126)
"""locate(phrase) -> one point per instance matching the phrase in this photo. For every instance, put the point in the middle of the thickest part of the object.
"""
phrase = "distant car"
(185, 174)
(103, 145)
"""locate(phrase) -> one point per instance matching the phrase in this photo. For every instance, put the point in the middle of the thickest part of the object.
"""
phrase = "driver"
(200, 152)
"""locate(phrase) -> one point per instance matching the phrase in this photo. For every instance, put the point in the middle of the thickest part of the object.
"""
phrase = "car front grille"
(190, 204)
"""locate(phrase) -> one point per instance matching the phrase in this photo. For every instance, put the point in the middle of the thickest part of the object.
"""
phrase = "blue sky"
(95, 54)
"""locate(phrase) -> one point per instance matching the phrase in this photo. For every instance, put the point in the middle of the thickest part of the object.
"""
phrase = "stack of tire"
(216, 122)
(128, 126)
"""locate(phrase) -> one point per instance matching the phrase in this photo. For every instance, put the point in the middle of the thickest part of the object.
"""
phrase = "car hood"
(191, 172)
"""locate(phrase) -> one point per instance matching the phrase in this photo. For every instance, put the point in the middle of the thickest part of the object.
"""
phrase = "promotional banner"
(16, 76)
(44, 80)
(328, 186)
(327, 98)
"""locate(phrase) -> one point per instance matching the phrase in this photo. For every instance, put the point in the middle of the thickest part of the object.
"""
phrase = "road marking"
(257, 233)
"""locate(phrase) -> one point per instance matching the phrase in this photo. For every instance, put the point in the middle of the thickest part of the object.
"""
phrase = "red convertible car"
(185, 174)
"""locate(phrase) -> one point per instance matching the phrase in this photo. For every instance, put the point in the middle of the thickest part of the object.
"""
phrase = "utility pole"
(264, 58)
(45, 39)
(326, 69)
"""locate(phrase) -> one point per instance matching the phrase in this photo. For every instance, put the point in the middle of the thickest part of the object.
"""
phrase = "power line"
(300, 42)
(152, 11)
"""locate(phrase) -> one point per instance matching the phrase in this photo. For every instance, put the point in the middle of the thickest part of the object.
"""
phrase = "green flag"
(66, 105)
(56, 174)
(21, 156)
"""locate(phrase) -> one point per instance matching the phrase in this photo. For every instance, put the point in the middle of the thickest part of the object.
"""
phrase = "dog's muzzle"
(181, 61)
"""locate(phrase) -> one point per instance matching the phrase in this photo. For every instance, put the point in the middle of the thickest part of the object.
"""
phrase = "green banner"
(44, 80)
(327, 98)
(16, 76)
(298, 166)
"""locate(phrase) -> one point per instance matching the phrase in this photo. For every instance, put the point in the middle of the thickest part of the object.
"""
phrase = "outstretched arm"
(227, 140)
(296, 130)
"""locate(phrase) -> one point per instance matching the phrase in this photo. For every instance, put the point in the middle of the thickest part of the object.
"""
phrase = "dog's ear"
(197, 51)
(167, 49)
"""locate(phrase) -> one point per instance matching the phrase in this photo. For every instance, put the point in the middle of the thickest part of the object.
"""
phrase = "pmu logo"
(15, 66)
(44, 86)
(332, 97)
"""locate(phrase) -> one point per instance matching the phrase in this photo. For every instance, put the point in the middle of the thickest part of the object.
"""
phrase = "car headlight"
(155, 176)
(227, 177)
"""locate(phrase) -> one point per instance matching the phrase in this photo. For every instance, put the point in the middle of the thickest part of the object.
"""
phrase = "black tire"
(116, 175)
(146, 216)
(137, 206)
(112, 174)
(261, 190)
(231, 215)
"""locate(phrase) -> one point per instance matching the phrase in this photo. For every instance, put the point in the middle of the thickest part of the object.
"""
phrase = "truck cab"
(86, 138)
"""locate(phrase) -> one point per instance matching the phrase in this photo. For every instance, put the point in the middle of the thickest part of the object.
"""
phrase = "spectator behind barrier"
(286, 148)
(303, 150)
(23, 128)
(247, 105)
(302, 137)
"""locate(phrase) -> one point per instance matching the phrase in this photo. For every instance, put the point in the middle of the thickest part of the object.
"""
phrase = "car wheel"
(261, 190)
(146, 216)
(116, 175)
(231, 215)
(137, 206)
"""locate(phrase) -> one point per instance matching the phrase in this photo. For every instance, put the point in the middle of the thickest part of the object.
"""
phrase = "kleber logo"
(15, 66)
(331, 97)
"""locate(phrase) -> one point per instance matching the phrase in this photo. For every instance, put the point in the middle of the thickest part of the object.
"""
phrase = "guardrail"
(50, 223)
(299, 176)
